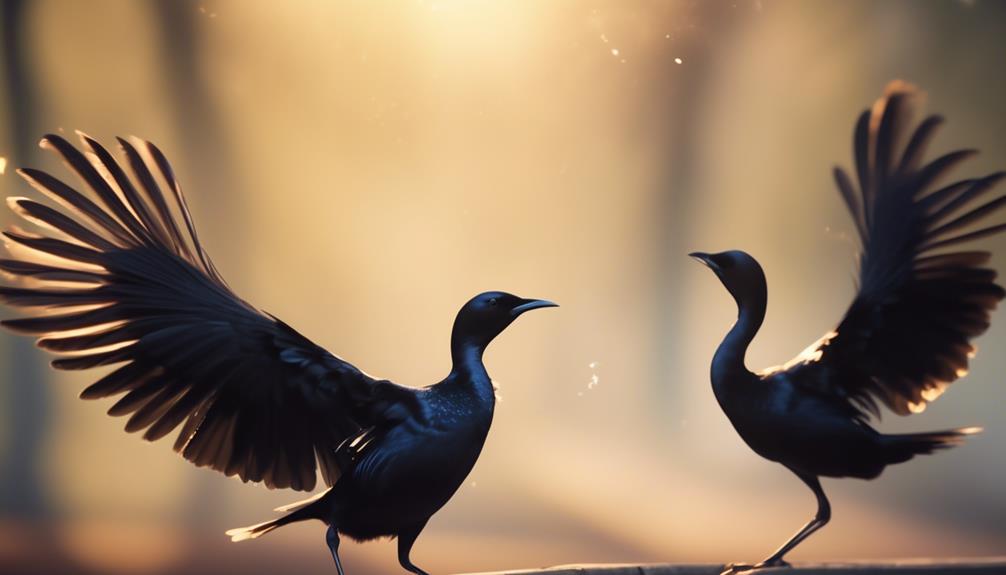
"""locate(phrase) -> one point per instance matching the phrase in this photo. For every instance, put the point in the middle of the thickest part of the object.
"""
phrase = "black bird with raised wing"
(904, 339)
(126, 282)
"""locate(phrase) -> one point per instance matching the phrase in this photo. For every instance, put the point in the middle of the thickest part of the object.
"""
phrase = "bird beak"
(704, 258)
(530, 304)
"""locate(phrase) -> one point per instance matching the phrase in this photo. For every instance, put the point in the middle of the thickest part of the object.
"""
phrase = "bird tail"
(301, 511)
(903, 447)
(255, 531)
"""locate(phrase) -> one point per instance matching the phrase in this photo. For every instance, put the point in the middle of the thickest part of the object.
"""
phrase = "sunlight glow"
(931, 393)
(367, 199)
(813, 353)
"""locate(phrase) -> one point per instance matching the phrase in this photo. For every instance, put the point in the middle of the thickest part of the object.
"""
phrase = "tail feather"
(298, 505)
(253, 531)
(903, 447)
(302, 511)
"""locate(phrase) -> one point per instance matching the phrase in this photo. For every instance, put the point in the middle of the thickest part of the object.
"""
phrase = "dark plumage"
(904, 339)
(125, 284)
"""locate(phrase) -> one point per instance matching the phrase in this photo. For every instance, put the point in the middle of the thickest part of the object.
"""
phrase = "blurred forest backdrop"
(360, 168)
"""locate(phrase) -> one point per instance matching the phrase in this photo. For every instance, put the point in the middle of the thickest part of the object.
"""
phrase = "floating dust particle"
(594, 379)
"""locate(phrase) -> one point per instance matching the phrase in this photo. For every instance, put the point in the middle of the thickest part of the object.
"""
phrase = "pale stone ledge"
(982, 566)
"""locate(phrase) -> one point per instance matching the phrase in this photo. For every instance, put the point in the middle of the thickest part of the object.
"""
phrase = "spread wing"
(921, 300)
(124, 281)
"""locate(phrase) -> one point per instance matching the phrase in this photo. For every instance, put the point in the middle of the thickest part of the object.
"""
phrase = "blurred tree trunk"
(683, 89)
(197, 121)
(27, 405)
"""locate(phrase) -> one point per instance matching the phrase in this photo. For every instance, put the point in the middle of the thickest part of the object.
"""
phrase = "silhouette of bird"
(904, 339)
(126, 282)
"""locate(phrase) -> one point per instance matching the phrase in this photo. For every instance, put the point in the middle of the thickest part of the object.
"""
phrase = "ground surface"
(983, 566)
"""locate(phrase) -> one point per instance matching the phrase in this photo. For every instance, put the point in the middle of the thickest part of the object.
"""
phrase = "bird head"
(486, 315)
(740, 273)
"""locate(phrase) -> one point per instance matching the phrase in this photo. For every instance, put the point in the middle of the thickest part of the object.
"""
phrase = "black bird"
(904, 339)
(128, 283)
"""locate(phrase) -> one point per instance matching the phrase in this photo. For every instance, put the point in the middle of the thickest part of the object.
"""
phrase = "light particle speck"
(677, 61)
(3, 165)
(614, 51)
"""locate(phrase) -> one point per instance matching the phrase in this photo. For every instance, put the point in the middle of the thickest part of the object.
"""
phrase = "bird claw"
(744, 568)
(774, 563)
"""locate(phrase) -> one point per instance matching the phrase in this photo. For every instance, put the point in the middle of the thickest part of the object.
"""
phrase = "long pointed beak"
(530, 304)
(704, 258)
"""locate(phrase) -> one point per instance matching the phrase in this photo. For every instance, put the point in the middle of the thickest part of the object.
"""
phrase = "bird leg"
(820, 519)
(406, 538)
(333, 545)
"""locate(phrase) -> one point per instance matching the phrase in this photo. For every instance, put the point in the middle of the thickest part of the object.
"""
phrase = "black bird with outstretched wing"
(906, 336)
(123, 281)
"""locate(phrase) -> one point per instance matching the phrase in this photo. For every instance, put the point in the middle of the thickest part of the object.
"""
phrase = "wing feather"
(252, 397)
(907, 335)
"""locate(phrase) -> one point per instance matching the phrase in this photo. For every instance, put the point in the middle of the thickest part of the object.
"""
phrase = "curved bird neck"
(468, 370)
(728, 362)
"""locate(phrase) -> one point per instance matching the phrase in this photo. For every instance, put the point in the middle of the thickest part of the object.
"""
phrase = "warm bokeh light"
(360, 169)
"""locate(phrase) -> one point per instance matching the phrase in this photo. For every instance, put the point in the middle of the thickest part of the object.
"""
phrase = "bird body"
(417, 466)
(780, 417)
(126, 282)
(904, 339)
(395, 482)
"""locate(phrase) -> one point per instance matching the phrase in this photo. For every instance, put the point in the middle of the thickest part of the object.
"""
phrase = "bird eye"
(492, 301)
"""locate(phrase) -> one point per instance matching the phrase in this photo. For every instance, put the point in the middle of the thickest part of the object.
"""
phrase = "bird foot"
(744, 568)
(736, 568)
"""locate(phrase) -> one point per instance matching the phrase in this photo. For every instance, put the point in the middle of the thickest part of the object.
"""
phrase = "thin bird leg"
(333, 545)
(406, 538)
(820, 519)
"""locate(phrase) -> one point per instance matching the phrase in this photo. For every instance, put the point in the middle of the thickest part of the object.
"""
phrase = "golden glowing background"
(361, 168)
